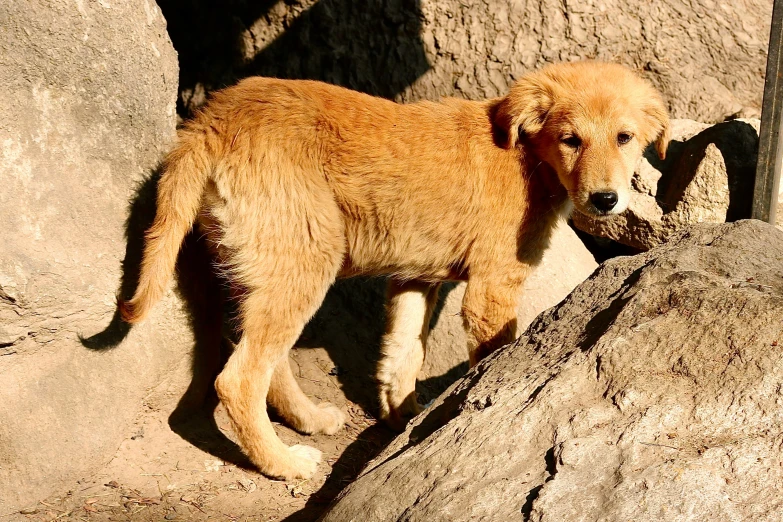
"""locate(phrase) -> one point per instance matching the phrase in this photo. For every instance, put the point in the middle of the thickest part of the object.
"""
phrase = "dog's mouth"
(603, 214)
(594, 212)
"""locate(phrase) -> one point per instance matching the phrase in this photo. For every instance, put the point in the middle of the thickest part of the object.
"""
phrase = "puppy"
(297, 183)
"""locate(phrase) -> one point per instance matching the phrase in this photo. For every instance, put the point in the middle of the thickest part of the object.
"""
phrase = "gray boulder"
(87, 105)
(651, 393)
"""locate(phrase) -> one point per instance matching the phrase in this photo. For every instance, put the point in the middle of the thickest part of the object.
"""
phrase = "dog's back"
(409, 180)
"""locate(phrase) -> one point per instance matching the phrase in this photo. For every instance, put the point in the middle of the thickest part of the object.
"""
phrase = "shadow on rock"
(202, 293)
(140, 215)
(374, 47)
(737, 142)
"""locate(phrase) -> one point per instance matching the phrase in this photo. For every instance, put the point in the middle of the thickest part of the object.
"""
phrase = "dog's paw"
(303, 462)
(331, 418)
(397, 417)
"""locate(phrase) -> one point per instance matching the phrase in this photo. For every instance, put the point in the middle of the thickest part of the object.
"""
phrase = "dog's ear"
(658, 125)
(662, 141)
(523, 110)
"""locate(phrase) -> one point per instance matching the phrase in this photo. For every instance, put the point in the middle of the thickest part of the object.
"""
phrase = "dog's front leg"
(409, 309)
(489, 313)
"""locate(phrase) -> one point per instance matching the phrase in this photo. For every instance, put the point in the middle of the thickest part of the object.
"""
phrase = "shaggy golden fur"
(297, 183)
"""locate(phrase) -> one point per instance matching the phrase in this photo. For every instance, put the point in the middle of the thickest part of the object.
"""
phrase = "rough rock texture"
(651, 393)
(707, 57)
(707, 177)
(779, 213)
(87, 104)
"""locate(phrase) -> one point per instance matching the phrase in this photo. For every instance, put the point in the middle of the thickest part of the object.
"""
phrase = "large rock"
(651, 393)
(707, 177)
(708, 58)
(87, 105)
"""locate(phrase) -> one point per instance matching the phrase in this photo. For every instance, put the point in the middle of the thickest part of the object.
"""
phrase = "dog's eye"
(572, 141)
(624, 138)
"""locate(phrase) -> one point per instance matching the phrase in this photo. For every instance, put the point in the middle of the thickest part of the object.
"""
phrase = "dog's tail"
(180, 189)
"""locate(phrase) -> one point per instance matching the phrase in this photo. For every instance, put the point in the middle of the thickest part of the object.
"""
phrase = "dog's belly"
(420, 273)
(400, 244)
(407, 253)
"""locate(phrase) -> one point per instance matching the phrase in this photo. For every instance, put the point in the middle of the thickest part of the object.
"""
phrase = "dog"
(296, 183)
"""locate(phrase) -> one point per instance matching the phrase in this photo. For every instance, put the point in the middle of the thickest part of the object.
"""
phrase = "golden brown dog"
(297, 183)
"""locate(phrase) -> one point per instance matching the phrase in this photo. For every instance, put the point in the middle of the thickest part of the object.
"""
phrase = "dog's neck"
(548, 204)
(546, 192)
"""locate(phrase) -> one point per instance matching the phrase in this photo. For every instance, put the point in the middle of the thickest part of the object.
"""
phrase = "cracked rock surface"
(651, 393)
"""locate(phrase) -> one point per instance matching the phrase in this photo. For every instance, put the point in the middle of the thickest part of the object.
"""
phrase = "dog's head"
(590, 122)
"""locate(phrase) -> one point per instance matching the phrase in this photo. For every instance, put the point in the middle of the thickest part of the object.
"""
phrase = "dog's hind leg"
(285, 258)
(409, 309)
(298, 411)
(244, 382)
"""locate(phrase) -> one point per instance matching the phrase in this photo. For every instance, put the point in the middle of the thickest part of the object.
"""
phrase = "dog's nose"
(604, 201)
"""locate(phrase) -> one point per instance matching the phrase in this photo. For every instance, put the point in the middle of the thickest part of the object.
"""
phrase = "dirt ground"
(181, 463)
(192, 470)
